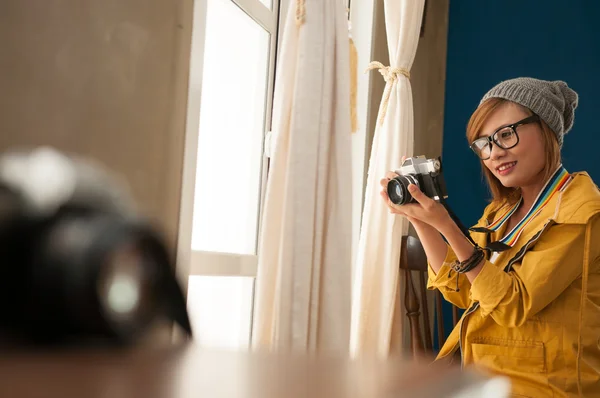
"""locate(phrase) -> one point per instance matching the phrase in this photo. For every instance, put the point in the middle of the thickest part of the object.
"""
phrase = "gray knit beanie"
(553, 101)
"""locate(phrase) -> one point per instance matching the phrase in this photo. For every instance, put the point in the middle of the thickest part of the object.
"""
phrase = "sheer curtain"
(303, 291)
(377, 268)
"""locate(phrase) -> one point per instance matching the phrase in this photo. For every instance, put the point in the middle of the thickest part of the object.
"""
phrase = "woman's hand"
(425, 211)
(394, 209)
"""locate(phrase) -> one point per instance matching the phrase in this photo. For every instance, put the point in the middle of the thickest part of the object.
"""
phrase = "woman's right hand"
(435, 247)
(395, 209)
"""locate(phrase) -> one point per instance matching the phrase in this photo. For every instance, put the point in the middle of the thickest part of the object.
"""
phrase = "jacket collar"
(576, 204)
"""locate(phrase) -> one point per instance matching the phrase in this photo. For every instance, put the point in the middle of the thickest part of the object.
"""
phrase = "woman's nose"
(496, 152)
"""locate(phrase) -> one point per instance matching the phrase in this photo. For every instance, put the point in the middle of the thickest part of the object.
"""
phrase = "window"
(232, 126)
(231, 90)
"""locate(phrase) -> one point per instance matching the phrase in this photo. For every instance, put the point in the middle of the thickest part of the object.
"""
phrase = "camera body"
(78, 264)
(424, 173)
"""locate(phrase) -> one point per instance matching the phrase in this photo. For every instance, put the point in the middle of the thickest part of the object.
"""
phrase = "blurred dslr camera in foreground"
(78, 265)
(424, 173)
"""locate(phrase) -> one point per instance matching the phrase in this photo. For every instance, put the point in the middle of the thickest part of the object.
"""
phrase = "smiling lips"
(505, 168)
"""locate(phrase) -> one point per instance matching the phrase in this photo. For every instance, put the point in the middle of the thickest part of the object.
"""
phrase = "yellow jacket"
(534, 314)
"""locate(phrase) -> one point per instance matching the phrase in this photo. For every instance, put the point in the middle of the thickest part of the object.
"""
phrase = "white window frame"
(191, 262)
(201, 263)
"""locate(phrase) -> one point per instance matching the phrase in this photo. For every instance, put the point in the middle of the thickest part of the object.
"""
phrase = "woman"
(531, 284)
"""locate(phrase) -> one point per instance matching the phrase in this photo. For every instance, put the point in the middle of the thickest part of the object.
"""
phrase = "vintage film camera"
(77, 264)
(424, 173)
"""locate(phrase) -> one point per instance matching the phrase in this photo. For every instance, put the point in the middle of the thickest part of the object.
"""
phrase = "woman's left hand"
(425, 210)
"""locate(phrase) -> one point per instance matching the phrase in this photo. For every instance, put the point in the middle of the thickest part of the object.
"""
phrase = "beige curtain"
(377, 274)
(303, 290)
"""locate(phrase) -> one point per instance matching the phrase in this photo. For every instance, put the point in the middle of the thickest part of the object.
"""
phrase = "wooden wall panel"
(107, 79)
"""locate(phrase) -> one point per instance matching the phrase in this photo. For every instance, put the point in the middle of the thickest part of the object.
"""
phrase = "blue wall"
(490, 41)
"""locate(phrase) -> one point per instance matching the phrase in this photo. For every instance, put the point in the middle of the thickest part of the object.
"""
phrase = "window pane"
(220, 309)
(232, 115)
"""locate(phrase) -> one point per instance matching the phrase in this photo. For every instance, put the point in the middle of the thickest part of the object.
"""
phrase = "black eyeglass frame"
(491, 139)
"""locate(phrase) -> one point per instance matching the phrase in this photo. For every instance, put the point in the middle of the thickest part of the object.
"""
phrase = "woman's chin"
(509, 181)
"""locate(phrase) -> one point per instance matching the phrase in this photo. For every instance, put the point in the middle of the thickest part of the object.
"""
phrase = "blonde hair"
(552, 149)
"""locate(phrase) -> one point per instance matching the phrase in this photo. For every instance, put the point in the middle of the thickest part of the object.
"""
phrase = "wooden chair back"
(413, 260)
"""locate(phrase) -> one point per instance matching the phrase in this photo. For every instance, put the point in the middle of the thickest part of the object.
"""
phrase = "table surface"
(189, 371)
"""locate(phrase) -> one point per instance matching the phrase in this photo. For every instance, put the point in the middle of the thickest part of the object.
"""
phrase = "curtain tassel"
(300, 12)
(390, 75)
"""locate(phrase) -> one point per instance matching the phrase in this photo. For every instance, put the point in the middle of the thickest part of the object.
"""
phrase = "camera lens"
(126, 286)
(397, 189)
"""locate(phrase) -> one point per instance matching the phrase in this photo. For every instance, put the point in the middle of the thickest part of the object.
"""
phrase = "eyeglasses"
(505, 137)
